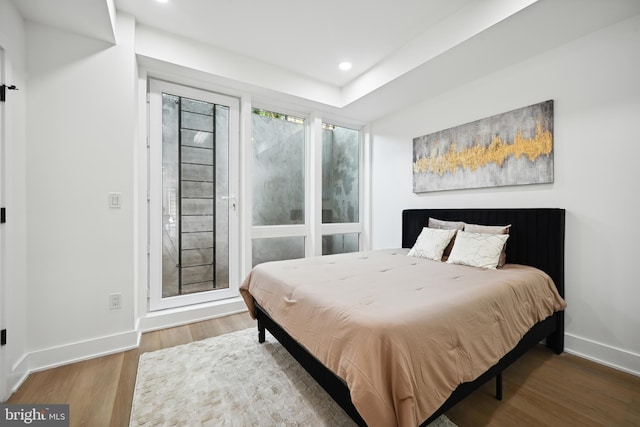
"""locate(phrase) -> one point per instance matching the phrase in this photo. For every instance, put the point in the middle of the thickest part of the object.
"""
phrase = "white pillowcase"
(431, 243)
(491, 229)
(477, 249)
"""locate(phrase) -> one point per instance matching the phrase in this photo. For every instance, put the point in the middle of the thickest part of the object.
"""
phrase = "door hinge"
(3, 337)
(3, 91)
(3, 215)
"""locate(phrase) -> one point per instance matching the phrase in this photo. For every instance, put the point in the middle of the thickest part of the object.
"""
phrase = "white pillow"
(431, 243)
(477, 249)
(490, 229)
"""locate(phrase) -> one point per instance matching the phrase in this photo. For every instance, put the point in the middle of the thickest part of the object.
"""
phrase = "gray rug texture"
(232, 380)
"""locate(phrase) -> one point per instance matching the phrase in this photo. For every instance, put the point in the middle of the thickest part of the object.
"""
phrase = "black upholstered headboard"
(536, 237)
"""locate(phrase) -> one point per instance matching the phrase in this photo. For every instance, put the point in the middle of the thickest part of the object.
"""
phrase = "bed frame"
(536, 239)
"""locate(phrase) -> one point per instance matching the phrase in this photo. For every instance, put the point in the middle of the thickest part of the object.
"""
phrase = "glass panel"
(192, 138)
(340, 174)
(276, 249)
(170, 193)
(195, 106)
(340, 243)
(197, 173)
(192, 224)
(197, 206)
(195, 275)
(197, 122)
(193, 257)
(222, 189)
(278, 169)
(199, 156)
(196, 189)
(195, 219)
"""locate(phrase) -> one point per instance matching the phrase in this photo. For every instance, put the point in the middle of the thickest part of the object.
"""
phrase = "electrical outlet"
(115, 301)
(115, 200)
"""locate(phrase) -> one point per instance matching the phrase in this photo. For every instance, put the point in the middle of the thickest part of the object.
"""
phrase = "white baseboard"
(181, 316)
(53, 357)
(15, 378)
(603, 354)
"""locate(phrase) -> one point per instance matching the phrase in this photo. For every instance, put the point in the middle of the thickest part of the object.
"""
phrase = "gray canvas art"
(513, 148)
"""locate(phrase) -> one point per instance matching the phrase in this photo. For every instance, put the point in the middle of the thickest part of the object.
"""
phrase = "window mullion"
(337, 228)
(365, 188)
(315, 185)
(271, 231)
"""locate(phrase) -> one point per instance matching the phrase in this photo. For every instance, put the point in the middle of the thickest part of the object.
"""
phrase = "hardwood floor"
(545, 389)
(540, 389)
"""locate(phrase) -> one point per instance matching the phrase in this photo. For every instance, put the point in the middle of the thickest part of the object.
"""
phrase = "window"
(340, 243)
(300, 211)
(279, 186)
(341, 171)
(340, 174)
(277, 248)
(278, 168)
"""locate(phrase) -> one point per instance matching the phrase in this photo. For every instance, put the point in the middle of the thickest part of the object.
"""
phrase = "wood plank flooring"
(540, 389)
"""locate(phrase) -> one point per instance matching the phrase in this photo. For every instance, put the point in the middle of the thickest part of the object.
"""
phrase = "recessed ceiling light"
(345, 66)
(162, 1)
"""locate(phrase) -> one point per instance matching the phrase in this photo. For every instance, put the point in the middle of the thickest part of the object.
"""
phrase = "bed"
(388, 386)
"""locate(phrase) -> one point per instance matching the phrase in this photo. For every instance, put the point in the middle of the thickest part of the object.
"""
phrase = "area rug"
(232, 380)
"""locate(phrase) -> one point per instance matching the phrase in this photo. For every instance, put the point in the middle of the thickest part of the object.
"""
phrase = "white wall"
(594, 83)
(13, 42)
(81, 121)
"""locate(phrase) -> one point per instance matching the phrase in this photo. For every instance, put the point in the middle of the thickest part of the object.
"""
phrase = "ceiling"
(401, 50)
(307, 37)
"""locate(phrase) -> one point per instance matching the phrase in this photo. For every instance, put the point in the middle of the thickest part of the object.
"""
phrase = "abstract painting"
(512, 148)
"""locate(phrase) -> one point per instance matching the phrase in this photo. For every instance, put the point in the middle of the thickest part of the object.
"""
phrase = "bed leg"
(499, 386)
(261, 337)
(555, 341)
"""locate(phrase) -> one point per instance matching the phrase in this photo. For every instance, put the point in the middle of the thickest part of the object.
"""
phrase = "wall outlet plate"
(115, 200)
(115, 301)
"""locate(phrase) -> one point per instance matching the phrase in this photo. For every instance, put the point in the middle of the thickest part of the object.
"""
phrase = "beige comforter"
(402, 332)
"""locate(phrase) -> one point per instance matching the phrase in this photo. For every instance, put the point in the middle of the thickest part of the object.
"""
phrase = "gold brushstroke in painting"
(496, 152)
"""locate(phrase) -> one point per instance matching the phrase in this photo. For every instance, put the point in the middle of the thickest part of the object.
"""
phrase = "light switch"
(114, 200)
